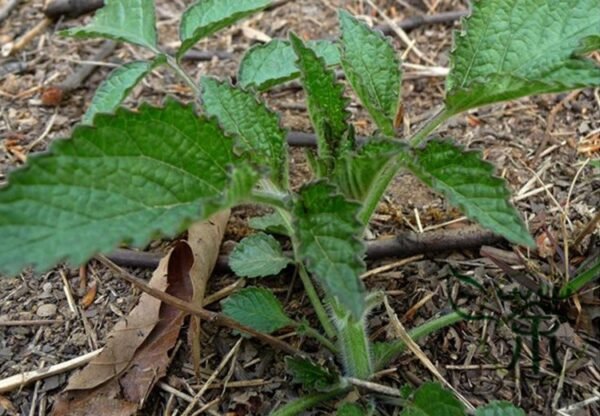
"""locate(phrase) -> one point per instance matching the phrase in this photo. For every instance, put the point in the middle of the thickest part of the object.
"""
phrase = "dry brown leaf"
(152, 359)
(103, 402)
(7, 405)
(125, 338)
(205, 239)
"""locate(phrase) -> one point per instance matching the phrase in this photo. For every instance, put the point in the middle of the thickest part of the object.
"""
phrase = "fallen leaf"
(7, 405)
(205, 239)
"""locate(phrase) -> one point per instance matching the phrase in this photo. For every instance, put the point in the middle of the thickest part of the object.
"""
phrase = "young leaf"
(116, 88)
(468, 182)
(255, 127)
(356, 172)
(350, 409)
(373, 70)
(130, 21)
(432, 400)
(206, 17)
(514, 48)
(326, 102)
(130, 178)
(499, 408)
(257, 308)
(270, 223)
(272, 63)
(311, 376)
(329, 243)
(258, 255)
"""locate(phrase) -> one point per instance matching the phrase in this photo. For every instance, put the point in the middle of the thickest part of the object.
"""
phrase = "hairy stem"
(441, 116)
(434, 325)
(353, 342)
(304, 329)
(304, 403)
(172, 62)
(314, 299)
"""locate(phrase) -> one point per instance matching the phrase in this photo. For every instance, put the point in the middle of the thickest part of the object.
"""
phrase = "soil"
(556, 192)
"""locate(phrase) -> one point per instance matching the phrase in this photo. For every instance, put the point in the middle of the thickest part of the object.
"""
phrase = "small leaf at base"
(258, 255)
(432, 400)
(499, 408)
(257, 308)
(311, 376)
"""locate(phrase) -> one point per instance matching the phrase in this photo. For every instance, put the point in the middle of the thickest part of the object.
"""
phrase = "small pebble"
(46, 310)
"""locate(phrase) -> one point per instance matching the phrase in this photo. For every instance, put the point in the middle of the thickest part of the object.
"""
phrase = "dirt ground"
(541, 145)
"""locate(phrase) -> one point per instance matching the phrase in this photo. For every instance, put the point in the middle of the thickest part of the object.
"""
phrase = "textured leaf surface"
(373, 69)
(257, 308)
(357, 171)
(127, 20)
(351, 409)
(329, 243)
(325, 101)
(258, 255)
(432, 400)
(270, 223)
(514, 48)
(468, 182)
(255, 127)
(272, 63)
(130, 178)
(206, 17)
(310, 375)
(115, 88)
(499, 408)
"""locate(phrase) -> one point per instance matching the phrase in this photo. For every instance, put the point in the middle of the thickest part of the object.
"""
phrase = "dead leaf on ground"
(205, 240)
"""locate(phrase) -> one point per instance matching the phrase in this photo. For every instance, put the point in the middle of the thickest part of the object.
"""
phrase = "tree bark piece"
(402, 245)
(71, 8)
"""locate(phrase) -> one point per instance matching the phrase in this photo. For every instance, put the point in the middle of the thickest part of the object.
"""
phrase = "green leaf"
(468, 182)
(206, 17)
(583, 278)
(257, 308)
(514, 48)
(255, 127)
(311, 376)
(329, 243)
(356, 172)
(270, 223)
(258, 255)
(116, 88)
(130, 178)
(272, 63)
(499, 408)
(373, 70)
(130, 21)
(350, 409)
(432, 400)
(325, 101)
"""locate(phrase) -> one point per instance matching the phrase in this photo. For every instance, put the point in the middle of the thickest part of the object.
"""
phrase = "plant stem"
(183, 75)
(353, 341)
(377, 189)
(442, 115)
(434, 325)
(313, 333)
(276, 200)
(301, 404)
(314, 299)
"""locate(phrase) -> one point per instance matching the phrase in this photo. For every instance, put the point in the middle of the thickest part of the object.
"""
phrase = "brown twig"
(71, 8)
(7, 8)
(402, 245)
(29, 36)
(204, 314)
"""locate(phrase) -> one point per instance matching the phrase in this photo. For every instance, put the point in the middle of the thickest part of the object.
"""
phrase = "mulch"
(539, 144)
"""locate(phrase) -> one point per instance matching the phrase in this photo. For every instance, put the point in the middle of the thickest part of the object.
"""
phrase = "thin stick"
(212, 377)
(77, 78)
(378, 388)
(24, 40)
(20, 380)
(7, 8)
(402, 245)
(32, 322)
(204, 314)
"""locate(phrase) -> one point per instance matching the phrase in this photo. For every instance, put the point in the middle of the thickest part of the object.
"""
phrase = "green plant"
(135, 175)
